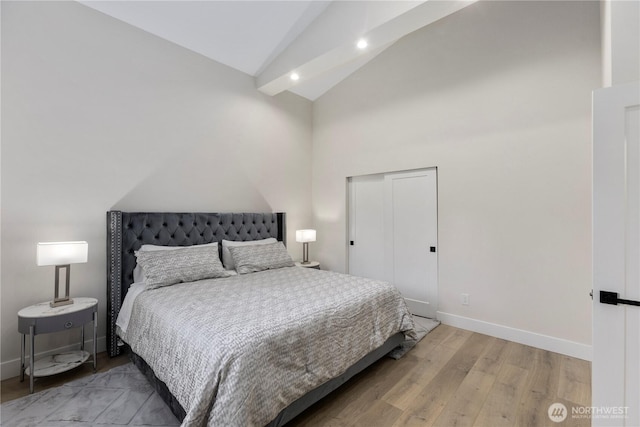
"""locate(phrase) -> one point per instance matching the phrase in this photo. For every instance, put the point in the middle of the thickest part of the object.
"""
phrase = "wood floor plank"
(317, 419)
(404, 391)
(545, 367)
(520, 355)
(456, 339)
(379, 414)
(541, 389)
(494, 356)
(465, 404)
(501, 405)
(533, 409)
(575, 381)
(433, 357)
(425, 408)
(363, 402)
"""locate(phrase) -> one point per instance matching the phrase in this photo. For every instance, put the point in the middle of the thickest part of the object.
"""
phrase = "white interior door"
(366, 221)
(616, 255)
(411, 238)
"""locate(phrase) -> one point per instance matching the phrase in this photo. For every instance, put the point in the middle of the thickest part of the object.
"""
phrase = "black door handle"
(607, 297)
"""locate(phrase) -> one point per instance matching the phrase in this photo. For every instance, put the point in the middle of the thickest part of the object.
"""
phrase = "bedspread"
(236, 351)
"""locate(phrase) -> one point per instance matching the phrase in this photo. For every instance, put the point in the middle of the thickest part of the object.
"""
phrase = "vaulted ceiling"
(316, 40)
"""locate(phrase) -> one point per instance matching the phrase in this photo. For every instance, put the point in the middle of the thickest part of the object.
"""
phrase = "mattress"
(236, 351)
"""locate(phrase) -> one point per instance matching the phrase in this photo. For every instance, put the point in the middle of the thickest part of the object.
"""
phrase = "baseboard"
(545, 342)
(11, 368)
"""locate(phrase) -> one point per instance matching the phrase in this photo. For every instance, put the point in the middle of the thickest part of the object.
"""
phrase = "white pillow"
(138, 274)
(227, 259)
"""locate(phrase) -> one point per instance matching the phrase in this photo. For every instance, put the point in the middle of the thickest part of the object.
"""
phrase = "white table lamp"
(305, 236)
(62, 255)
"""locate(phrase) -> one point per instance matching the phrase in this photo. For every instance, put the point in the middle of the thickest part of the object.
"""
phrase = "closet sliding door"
(393, 234)
(366, 222)
(411, 238)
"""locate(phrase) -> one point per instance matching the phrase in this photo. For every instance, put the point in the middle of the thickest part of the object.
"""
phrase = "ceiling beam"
(381, 27)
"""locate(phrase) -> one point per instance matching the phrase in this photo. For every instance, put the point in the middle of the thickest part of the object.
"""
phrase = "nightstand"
(311, 264)
(43, 319)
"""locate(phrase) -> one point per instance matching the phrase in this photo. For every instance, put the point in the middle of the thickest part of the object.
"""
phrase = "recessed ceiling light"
(362, 43)
(294, 76)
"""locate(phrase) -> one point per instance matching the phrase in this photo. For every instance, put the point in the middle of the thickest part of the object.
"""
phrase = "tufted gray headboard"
(127, 231)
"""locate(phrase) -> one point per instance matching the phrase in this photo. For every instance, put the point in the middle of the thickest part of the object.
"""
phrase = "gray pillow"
(138, 275)
(249, 259)
(226, 244)
(164, 268)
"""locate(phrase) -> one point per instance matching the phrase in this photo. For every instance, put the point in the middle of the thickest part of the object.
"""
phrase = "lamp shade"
(304, 236)
(62, 253)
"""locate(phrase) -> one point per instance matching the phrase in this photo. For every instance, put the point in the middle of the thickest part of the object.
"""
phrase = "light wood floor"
(455, 377)
(452, 377)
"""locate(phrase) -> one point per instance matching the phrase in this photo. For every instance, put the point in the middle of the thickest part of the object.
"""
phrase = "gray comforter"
(236, 351)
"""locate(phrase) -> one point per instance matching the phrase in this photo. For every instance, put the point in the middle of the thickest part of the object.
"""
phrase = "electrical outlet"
(465, 299)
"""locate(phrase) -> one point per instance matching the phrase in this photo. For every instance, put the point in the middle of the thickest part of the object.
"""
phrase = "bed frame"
(127, 231)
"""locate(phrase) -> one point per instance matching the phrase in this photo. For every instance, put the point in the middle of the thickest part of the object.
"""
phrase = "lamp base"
(60, 301)
(57, 299)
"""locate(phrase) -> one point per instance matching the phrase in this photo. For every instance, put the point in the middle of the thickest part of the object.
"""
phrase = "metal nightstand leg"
(95, 340)
(22, 350)
(32, 357)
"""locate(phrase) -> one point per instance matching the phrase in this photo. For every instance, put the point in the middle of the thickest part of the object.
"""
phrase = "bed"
(244, 349)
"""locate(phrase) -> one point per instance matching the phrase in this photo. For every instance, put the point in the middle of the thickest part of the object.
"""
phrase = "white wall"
(620, 41)
(498, 97)
(98, 115)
